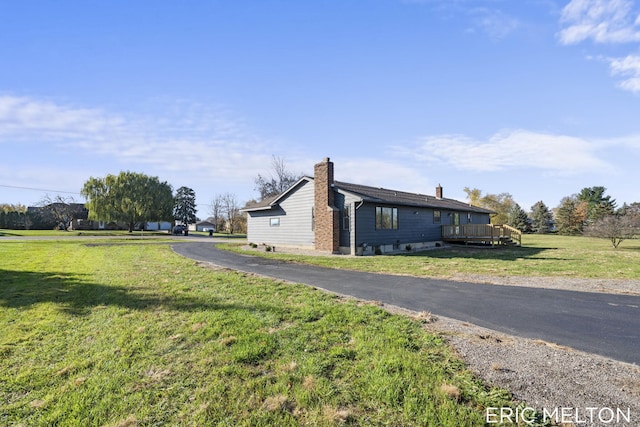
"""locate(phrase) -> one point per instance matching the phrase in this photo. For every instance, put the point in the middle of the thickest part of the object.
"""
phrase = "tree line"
(590, 212)
(128, 198)
(132, 199)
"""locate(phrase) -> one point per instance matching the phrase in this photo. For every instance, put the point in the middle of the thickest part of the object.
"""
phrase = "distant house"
(157, 226)
(205, 225)
(327, 215)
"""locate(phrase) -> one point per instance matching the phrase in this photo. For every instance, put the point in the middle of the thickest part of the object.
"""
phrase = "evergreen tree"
(598, 205)
(184, 208)
(571, 216)
(518, 218)
(633, 209)
(541, 218)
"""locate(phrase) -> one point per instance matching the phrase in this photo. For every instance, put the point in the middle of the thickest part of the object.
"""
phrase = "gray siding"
(415, 224)
(342, 200)
(294, 213)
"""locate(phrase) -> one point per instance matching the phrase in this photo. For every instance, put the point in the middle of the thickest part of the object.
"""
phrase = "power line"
(39, 189)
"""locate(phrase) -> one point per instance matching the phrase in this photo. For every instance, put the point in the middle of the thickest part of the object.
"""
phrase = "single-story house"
(157, 226)
(327, 215)
(205, 225)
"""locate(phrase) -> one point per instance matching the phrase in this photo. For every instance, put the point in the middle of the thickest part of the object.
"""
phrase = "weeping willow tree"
(128, 197)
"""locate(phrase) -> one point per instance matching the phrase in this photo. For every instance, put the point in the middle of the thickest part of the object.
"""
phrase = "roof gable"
(272, 201)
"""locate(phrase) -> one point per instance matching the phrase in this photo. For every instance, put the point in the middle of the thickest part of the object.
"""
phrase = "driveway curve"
(604, 324)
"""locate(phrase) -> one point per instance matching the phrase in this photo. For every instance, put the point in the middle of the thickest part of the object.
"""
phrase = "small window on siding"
(437, 217)
(274, 222)
(346, 218)
(469, 217)
(313, 219)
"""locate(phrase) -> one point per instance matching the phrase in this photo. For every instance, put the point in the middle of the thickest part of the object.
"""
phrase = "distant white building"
(205, 225)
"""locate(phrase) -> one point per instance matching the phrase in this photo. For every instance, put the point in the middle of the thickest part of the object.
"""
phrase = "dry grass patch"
(451, 391)
(276, 403)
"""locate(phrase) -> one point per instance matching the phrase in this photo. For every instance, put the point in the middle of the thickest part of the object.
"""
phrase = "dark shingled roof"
(383, 196)
(394, 197)
(262, 204)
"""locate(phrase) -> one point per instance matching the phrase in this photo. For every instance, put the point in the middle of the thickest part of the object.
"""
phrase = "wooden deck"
(487, 234)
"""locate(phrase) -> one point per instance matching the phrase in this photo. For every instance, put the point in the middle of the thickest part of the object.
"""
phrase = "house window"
(437, 217)
(346, 218)
(274, 222)
(313, 218)
(469, 217)
(386, 218)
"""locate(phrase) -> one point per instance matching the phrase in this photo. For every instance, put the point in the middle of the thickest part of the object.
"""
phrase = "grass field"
(103, 233)
(103, 333)
(540, 255)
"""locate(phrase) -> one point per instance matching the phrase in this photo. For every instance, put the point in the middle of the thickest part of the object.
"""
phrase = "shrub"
(615, 228)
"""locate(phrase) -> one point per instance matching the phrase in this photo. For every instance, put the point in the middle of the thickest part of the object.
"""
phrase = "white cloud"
(483, 15)
(606, 21)
(187, 138)
(517, 149)
(25, 117)
(205, 148)
(603, 21)
(493, 22)
(629, 67)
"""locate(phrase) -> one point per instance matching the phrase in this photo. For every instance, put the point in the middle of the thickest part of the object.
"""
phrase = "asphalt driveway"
(604, 324)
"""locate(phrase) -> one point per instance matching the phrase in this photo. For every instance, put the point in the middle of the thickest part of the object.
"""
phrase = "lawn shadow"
(76, 295)
(498, 253)
(629, 245)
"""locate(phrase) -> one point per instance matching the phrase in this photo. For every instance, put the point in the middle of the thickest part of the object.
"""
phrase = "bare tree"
(279, 181)
(615, 228)
(58, 210)
(225, 210)
(231, 210)
(217, 212)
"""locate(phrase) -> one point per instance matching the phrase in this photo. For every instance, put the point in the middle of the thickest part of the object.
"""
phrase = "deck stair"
(487, 234)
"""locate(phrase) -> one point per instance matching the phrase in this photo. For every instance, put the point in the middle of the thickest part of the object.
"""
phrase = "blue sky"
(537, 98)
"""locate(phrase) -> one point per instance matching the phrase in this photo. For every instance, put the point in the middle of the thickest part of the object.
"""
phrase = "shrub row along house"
(332, 216)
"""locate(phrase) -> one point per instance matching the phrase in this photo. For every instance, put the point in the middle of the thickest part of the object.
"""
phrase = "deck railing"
(483, 233)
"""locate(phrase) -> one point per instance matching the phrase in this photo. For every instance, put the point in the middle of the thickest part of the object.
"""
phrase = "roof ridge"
(383, 188)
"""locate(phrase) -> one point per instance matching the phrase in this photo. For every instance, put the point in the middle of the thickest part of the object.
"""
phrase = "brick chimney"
(439, 192)
(327, 216)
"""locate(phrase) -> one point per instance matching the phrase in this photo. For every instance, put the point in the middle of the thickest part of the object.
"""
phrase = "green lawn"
(112, 334)
(108, 233)
(91, 233)
(540, 255)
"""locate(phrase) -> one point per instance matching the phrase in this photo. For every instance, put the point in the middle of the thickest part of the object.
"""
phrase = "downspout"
(352, 227)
